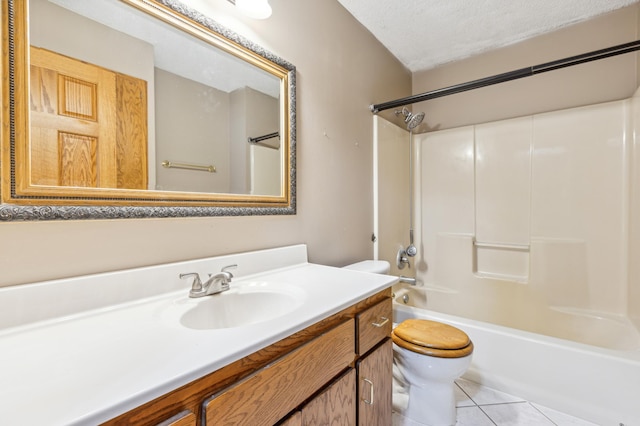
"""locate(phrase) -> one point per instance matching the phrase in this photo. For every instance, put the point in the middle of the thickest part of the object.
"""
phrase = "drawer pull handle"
(370, 400)
(379, 324)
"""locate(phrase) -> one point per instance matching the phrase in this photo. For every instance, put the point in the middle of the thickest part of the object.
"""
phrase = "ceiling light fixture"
(256, 9)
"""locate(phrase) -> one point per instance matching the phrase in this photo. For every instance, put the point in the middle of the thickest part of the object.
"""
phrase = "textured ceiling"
(423, 34)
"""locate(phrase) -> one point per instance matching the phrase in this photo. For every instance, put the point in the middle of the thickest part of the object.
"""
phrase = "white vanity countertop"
(91, 366)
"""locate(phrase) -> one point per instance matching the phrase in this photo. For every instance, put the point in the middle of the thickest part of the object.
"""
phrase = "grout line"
(468, 396)
(489, 417)
(536, 408)
(475, 404)
(503, 403)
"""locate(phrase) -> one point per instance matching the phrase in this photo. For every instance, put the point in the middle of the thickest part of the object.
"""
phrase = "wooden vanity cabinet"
(295, 381)
(369, 402)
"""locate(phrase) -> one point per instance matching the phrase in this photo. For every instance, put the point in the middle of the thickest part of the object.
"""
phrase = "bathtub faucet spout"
(407, 280)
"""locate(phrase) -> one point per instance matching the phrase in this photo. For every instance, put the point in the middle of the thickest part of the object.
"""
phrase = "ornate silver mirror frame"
(161, 204)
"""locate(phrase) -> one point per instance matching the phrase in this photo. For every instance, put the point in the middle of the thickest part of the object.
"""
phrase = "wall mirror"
(140, 108)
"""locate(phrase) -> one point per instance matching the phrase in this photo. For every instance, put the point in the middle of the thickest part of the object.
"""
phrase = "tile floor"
(482, 406)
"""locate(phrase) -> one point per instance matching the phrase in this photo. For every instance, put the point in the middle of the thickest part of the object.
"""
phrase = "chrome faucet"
(215, 284)
(219, 282)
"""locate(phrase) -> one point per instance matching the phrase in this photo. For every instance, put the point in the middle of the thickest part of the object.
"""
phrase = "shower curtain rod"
(511, 75)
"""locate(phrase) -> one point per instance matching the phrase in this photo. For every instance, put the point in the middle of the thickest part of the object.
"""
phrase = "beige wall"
(610, 79)
(341, 69)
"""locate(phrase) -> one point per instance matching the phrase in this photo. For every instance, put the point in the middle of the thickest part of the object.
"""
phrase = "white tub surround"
(530, 222)
(86, 349)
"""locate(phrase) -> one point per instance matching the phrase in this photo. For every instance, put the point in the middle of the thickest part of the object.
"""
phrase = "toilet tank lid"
(373, 266)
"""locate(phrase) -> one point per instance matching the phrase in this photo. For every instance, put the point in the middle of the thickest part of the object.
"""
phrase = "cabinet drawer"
(271, 393)
(374, 324)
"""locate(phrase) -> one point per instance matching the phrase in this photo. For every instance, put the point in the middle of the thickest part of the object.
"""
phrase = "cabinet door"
(375, 386)
(335, 406)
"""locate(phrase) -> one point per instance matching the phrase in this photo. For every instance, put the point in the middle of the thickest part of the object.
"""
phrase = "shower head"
(411, 120)
(414, 121)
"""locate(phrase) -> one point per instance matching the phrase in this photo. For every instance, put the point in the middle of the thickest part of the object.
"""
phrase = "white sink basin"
(244, 304)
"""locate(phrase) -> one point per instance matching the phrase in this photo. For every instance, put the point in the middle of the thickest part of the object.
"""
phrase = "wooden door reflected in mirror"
(88, 124)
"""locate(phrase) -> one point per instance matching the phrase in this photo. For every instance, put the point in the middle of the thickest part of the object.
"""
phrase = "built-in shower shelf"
(502, 246)
(501, 261)
(517, 279)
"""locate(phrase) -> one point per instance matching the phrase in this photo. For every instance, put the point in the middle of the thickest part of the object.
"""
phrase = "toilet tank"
(373, 266)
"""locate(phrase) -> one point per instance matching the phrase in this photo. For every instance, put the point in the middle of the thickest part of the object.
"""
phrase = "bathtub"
(601, 385)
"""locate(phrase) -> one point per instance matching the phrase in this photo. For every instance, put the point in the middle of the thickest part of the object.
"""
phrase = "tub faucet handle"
(402, 259)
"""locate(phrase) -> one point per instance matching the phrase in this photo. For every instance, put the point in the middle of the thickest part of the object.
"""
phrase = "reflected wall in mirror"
(120, 108)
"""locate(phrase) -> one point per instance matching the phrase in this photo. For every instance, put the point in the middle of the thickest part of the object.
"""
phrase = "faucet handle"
(196, 285)
(234, 266)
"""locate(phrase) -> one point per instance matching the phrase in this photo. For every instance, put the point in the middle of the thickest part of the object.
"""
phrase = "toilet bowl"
(430, 356)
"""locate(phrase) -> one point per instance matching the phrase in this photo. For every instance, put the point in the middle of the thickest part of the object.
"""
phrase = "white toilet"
(373, 266)
(430, 356)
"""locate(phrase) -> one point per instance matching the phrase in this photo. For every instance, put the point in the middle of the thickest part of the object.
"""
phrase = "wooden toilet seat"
(432, 338)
